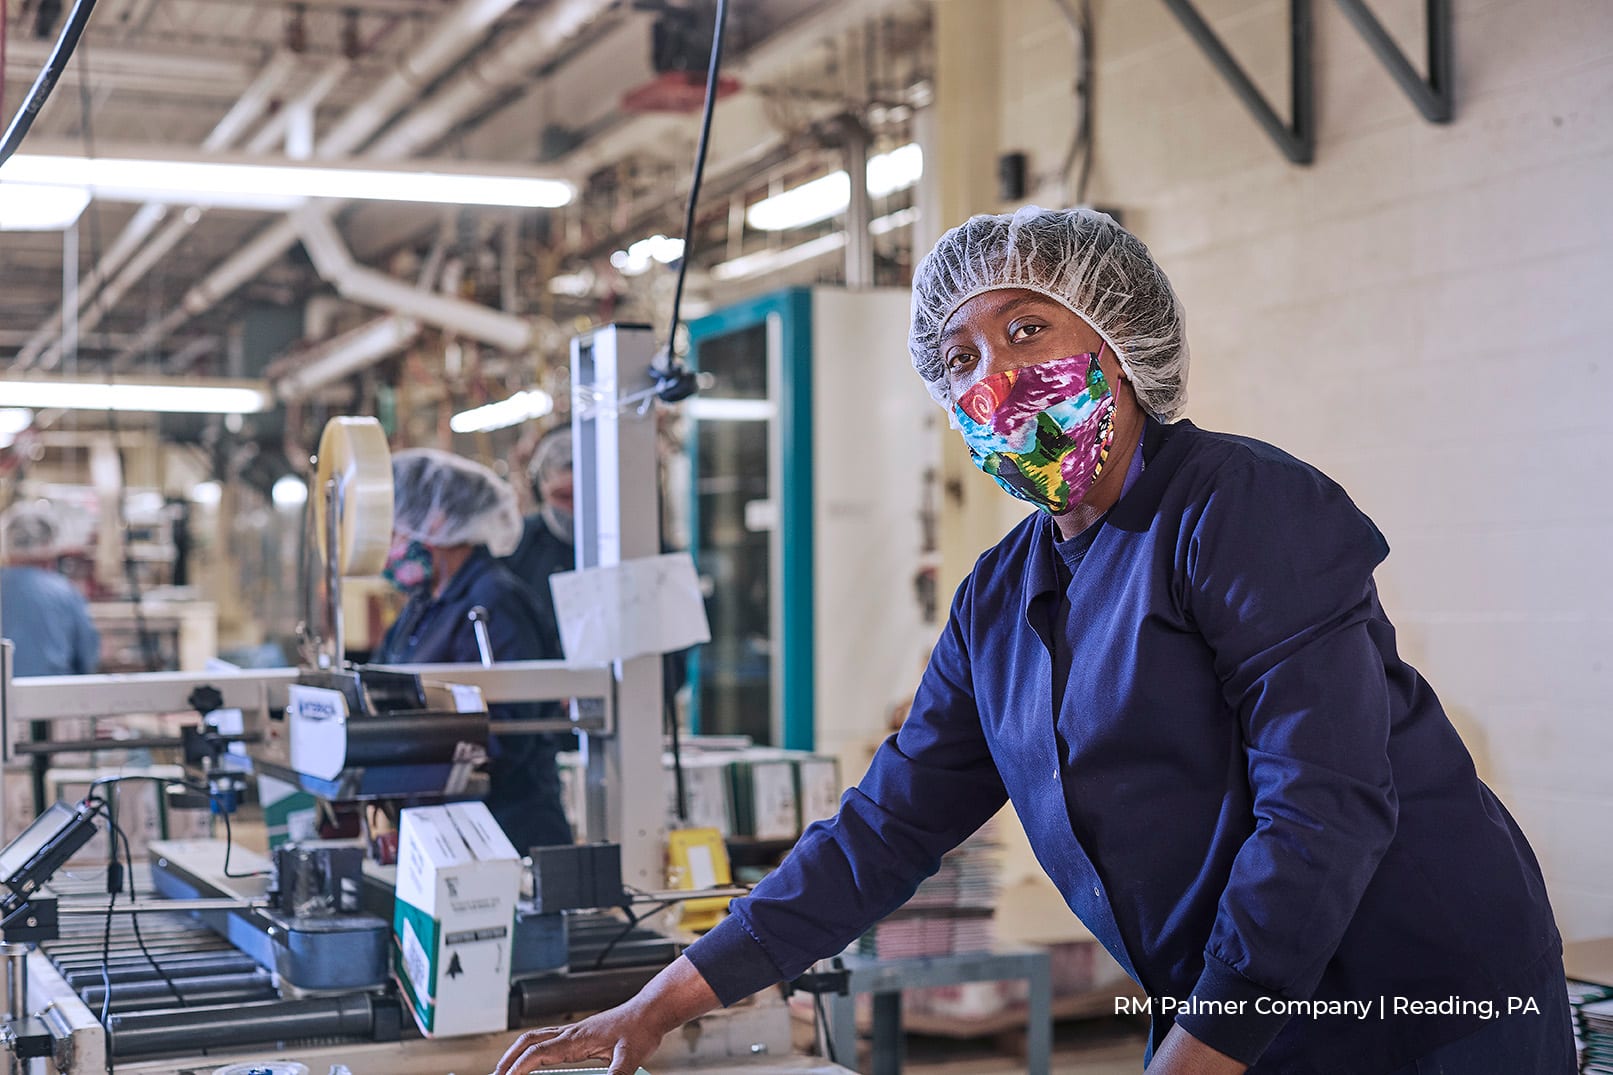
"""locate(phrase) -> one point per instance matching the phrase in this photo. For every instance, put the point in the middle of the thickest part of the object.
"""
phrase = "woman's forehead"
(990, 307)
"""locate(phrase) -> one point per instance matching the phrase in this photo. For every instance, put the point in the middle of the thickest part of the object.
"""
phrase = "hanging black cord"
(134, 916)
(28, 111)
(676, 382)
(823, 1018)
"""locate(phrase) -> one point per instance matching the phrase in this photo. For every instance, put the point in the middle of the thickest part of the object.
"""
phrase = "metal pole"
(16, 998)
(333, 571)
(859, 247)
(70, 300)
(1431, 97)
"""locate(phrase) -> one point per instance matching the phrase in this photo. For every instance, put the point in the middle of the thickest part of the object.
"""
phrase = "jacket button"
(1095, 890)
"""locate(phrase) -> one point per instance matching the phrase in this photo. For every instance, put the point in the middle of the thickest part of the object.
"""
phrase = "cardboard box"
(705, 790)
(819, 788)
(453, 922)
(762, 782)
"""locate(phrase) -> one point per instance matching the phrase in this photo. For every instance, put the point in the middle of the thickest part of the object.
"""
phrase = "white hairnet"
(552, 455)
(1078, 257)
(441, 499)
(30, 531)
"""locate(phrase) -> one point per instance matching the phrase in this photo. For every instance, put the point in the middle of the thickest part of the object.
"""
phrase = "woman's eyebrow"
(996, 311)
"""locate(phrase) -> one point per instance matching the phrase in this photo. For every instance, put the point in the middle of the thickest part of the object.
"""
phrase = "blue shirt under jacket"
(1243, 791)
(49, 622)
(524, 796)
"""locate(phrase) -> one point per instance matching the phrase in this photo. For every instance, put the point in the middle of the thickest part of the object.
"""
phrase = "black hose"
(39, 93)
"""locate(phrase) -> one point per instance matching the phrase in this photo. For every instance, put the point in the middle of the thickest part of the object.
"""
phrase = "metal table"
(886, 978)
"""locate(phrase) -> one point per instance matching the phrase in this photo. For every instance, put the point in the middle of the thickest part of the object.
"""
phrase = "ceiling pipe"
(333, 359)
(180, 224)
(445, 44)
(371, 288)
(240, 115)
(534, 45)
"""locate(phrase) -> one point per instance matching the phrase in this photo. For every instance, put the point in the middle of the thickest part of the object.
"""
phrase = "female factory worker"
(1179, 673)
(450, 516)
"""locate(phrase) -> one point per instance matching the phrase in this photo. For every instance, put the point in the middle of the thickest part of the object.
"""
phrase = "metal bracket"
(1432, 95)
(1296, 138)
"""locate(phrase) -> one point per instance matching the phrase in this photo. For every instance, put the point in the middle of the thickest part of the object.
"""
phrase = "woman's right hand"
(624, 1036)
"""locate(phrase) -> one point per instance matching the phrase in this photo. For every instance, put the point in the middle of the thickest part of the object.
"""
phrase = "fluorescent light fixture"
(14, 420)
(576, 285)
(289, 492)
(766, 261)
(185, 397)
(830, 195)
(207, 494)
(521, 407)
(729, 410)
(277, 186)
(26, 207)
(636, 259)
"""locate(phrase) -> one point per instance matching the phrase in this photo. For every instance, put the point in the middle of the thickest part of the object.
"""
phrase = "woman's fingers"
(558, 1046)
(507, 1064)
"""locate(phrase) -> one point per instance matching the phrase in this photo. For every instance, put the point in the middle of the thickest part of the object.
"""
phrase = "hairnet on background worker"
(30, 531)
(443, 499)
(1253, 802)
(45, 617)
(451, 518)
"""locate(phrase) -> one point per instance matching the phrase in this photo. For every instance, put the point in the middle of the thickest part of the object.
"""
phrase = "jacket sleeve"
(1278, 578)
(930, 785)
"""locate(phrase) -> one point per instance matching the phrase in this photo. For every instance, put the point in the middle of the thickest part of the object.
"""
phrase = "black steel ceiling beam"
(1296, 136)
(1432, 95)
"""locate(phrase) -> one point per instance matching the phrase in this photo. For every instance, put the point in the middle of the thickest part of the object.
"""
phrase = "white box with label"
(453, 922)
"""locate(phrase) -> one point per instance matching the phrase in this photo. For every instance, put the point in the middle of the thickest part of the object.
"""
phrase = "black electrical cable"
(229, 842)
(28, 111)
(633, 920)
(134, 916)
(823, 1018)
(713, 72)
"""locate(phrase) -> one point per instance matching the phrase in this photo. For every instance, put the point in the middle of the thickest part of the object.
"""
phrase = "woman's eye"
(959, 361)
(1021, 332)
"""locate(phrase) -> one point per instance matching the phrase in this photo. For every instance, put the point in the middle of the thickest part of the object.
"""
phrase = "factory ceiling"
(587, 91)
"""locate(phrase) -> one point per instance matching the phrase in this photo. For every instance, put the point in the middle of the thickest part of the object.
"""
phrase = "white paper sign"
(650, 605)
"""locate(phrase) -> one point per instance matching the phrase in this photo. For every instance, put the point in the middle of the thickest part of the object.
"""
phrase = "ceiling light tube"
(830, 195)
(521, 407)
(187, 397)
(279, 184)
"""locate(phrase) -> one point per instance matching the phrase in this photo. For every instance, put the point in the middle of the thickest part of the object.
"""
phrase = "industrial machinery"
(808, 436)
(210, 955)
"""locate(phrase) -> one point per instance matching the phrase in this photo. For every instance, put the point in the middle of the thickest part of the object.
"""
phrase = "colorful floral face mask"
(1042, 431)
(408, 565)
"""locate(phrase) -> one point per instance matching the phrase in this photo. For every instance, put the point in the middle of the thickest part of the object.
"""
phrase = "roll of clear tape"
(353, 454)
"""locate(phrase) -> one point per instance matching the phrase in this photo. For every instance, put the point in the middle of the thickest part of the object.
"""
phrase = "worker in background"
(546, 535)
(450, 518)
(1179, 672)
(548, 538)
(46, 618)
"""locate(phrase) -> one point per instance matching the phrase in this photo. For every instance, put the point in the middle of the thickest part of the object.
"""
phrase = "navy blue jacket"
(524, 797)
(1244, 792)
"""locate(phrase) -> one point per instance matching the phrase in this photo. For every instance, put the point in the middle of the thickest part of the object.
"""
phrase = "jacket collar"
(1134, 511)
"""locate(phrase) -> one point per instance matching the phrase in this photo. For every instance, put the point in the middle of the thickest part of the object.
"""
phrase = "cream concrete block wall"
(1423, 313)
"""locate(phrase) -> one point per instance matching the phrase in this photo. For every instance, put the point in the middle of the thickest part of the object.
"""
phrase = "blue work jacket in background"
(49, 622)
(1243, 792)
(524, 797)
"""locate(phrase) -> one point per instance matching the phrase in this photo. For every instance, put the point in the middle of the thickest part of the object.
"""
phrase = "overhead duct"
(371, 288)
(529, 48)
(330, 361)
